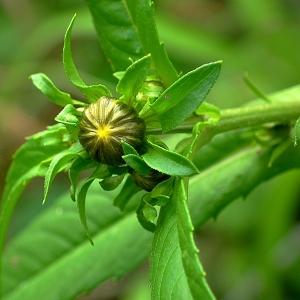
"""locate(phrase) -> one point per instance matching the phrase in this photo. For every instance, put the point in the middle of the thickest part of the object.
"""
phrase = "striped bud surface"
(105, 124)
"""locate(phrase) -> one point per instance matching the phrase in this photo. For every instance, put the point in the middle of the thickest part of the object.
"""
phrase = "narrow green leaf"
(48, 88)
(29, 161)
(133, 79)
(58, 163)
(190, 254)
(92, 92)
(179, 101)
(117, 34)
(128, 190)
(81, 205)
(80, 164)
(137, 164)
(296, 132)
(168, 162)
(111, 183)
(142, 14)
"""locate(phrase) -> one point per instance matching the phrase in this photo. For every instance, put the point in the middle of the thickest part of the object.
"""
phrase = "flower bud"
(149, 181)
(105, 124)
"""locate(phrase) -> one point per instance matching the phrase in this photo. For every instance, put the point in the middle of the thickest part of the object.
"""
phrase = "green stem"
(244, 117)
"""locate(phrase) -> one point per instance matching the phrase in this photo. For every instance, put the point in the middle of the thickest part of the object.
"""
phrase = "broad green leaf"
(29, 161)
(133, 79)
(58, 247)
(179, 101)
(142, 14)
(128, 190)
(168, 162)
(137, 163)
(48, 88)
(117, 34)
(111, 183)
(58, 163)
(190, 254)
(92, 92)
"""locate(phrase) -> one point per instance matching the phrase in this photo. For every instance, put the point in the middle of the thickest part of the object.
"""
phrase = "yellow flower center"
(103, 132)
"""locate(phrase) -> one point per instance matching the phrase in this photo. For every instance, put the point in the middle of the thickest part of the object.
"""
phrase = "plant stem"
(248, 116)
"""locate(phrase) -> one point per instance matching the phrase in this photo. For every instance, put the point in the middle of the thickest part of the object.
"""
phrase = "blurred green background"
(253, 250)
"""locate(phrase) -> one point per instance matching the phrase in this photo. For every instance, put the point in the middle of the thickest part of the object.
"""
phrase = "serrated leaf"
(142, 15)
(58, 163)
(69, 117)
(117, 34)
(175, 266)
(111, 183)
(168, 162)
(190, 254)
(179, 101)
(92, 92)
(137, 164)
(48, 88)
(29, 161)
(133, 79)
(128, 190)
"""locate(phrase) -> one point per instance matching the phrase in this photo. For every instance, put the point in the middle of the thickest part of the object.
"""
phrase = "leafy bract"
(168, 162)
(58, 163)
(179, 101)
(92, 92)
(31, 160)
(142, 14)
(116, 32)
(48, 88)
(133, 79)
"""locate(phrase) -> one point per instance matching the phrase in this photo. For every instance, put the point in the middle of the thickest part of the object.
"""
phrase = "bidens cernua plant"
(126, 140)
